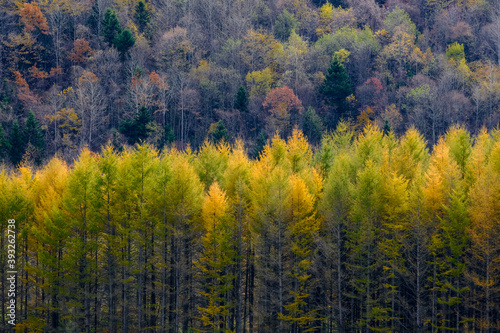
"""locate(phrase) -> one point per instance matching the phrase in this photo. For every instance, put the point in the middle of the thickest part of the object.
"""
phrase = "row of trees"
(369, 233)
(89, 69)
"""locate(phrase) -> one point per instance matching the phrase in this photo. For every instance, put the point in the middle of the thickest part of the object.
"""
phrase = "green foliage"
(17, 143)
(137, 128)
(168, 136)
(455, 52)
(312, 125)
(241, 102)
(142, 15)
(336, 87)
(124, 42)
(111, 29)
(399, 19)
(4, 144)
(33, 136)
(218, 132)
(260, 144)
(284, 25)
(387, 127)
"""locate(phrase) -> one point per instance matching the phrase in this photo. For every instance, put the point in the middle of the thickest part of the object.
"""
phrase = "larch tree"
(83, 244)
(215, 263)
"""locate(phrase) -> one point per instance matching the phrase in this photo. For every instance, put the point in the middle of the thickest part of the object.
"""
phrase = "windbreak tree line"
(368, 233)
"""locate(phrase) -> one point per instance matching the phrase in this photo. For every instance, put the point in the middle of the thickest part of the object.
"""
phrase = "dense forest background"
(369, 234)
(178, 71)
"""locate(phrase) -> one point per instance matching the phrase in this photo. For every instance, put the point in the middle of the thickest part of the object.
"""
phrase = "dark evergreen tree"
(168, 136)
(241, 102)
(336, 87)
(219, 133)
(33, 132)
(17, 146)
(33, 137)
(313, 125)
(387, 127)
(284, 25)
(142, 15)
(138, 128)
(93, 20)
(124, 42)
(111, 29)
(4, 144)
(260, 144)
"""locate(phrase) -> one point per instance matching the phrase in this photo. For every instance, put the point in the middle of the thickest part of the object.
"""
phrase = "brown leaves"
(282, 100)
(81, 51)
(32, 17)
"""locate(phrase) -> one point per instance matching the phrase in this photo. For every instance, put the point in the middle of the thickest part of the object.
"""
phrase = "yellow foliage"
(260, 82)
(214, 207)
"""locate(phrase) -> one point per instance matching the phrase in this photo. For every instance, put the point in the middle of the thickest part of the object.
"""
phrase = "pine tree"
(312, 125)
(260, 144)
(33, 137)
(241, 102)
(337, 87)
(138, 128)
(219, 133)
(124, 42)
(111, 29)
(142, 15)
(17, 143)
(4, 144)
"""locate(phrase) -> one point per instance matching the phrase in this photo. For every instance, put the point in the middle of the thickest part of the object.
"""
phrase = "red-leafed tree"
(284, 106)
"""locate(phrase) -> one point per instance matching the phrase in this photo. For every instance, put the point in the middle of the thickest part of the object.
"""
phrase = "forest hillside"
(80, 73)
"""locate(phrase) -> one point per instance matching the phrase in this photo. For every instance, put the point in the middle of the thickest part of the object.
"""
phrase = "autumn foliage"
(32, 17)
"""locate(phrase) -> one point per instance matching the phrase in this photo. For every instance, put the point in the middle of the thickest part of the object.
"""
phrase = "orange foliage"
(37, 73)
(88, 77)
(32, 17)
(25, 95)
(81, 51)
(20, 81)
(55, 71)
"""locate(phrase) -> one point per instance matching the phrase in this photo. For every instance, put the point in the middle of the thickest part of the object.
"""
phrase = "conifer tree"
(482, 259)
(50, 232)
(33, 136)
(111, 29)
(216, 260)
(302, 230)
(336, 87)
(260, 144)
(4, 144)
(17, 143)
(312, 125)
(236, 184)
(83, 244)
(211, 162)
(241, 102)
(137, 128)
(124, 43)
(142, 15)
(104, 206)
(219, 133)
